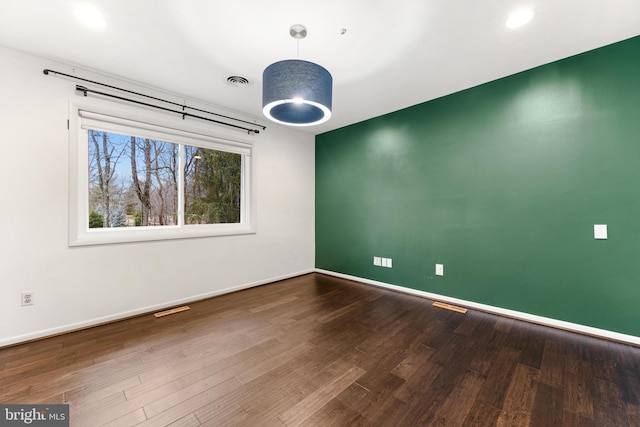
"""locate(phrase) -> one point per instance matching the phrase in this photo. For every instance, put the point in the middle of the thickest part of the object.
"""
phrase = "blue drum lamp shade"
(297, 93)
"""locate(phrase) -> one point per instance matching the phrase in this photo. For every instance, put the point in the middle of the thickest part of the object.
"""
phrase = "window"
(135, 180)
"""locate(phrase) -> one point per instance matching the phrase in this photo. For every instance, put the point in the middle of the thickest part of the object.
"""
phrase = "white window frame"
(128, 120)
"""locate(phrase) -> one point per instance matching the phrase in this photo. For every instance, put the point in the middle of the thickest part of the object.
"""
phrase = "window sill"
(132, 235)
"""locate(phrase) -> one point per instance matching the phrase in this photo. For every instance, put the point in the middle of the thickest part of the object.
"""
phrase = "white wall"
(80, 286)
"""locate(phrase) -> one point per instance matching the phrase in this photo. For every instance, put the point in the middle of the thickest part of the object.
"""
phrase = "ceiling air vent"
(238, 81)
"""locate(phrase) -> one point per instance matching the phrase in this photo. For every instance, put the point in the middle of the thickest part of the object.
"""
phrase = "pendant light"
(297, 92)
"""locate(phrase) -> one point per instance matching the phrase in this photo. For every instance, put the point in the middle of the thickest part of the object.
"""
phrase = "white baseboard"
(559, 324)
(144, 310)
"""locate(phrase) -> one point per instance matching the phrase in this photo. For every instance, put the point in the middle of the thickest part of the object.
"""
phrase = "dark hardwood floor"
(317, 350)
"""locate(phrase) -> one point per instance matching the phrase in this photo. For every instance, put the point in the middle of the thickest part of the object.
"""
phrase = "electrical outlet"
(439, 270)
(28, 298)
(600, 231)
(383, 262)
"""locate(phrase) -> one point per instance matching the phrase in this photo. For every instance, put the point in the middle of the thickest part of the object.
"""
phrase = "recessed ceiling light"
(90, 16)
(519, 18)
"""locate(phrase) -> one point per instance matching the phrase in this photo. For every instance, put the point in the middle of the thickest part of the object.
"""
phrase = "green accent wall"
(502, 183)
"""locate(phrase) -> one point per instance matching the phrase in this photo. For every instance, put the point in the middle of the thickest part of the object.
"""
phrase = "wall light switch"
(600, 231)
(385, 262)
(377, 261)
(439, 269)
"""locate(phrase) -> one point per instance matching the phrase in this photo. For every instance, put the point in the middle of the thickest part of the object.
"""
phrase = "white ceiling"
(395, 53)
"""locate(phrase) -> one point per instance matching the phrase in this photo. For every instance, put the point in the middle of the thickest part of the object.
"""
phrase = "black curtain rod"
(184, 114)
(46, 71)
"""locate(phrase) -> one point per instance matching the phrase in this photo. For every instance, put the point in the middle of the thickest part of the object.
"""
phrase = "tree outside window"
(137, 182)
